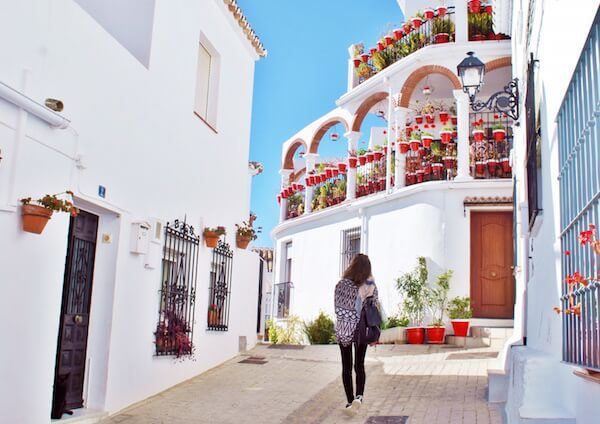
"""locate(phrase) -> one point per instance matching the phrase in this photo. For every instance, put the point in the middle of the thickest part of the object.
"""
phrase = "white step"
(82, 416)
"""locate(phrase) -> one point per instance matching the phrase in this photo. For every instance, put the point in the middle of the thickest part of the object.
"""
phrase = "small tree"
(437, 298)
(413, 288)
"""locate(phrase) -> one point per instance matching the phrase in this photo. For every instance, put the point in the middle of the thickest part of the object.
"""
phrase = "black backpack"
(368, 329)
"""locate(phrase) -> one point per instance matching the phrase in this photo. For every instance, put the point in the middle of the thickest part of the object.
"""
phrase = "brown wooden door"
(75, 311)
(492, 283)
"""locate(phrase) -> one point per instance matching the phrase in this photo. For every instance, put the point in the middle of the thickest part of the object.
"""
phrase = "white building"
(156, 124)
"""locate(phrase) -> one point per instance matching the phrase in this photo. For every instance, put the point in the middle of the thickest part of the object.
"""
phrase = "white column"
(399, 176)
(353, 138)
(461, 22)
(462, 129)
(352, 77)
(311, 159)
(285, 180)
(388, 157)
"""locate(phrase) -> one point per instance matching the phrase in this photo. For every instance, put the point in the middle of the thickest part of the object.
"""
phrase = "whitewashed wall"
(137, 135)
(538, 366)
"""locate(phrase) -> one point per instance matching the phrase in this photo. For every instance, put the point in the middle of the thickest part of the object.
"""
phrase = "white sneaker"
(348, 409)
(357, 402)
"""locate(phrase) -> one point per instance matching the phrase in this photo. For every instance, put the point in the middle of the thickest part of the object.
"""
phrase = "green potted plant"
(415, 141)
(413, 289)
(393, 330)
(426, 139)
(36, 215)
(446, 134)
(499, 131)
(246, 232)
(362, 156)
(437, 299)
(460, 313)
(377, 152)
(212, 235)
(442, 29)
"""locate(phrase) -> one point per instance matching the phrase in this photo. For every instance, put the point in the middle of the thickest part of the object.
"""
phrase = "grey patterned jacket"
(347, 315)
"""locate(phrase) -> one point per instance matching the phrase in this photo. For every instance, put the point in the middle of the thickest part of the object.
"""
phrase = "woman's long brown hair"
(359, 269)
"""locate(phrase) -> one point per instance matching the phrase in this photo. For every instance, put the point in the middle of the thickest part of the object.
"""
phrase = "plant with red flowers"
(36, 216)
(478, 132)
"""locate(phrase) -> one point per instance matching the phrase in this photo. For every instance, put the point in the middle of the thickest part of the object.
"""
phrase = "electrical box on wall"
(140, 237)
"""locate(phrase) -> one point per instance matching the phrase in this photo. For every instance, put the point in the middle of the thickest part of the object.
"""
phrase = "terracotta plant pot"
(385, 149)
(419, 119)
(416, 22)
(427, 168)
(211, 239)
(478, 135)
(444, 116)
(429, 118)
(352, 161)
(370, 157)
(242, 241)
(279, 199)
(407, 28)
(449, 162)
(213, 318)
(378, 155)
(35, 218)
(441, 38)
(446, 136)
(342, 166)
(436, 335)
(408, 131)
(362, 159)
(389, 40)
(505, 165)
(426, 140)
(414, 145)
(437, 170)
(380, 46)
(441, 11)
(499, 135)
(428, 13)
(336, 172)
(415, 335)
(474, 6)
(404, 146)
(489, 9)
(461, 327)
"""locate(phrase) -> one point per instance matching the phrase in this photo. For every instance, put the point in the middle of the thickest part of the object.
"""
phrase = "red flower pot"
(385, 149)
(436, 335)
(478, 37)
(454, 134)
(428, 13)
(311, 180)
(364, 57)
(279, 199)
(478, 135)
(356, 63)
(505, 165)
(336, 172)
(499, 135)
(389, 40)
(342, 166)
(441, 38)
(404, 146)
(446, 136)
(408, 131)
(323, 177)
(421, 151)
(419, 175)
(362, 159)
(492, 164)
(411, 178)
(416, 22)
(370, 157)
(460, 327)
(419, 119)
(429, 118)
(441, 11)
(380, 46)
(407, 28)
(449, 162)
(398, 33)
(427, 141)
(372, 50)
(444, 116)
(415, 335)
(328, 173)
(488, 9)
(474, 6)
(454, 120)
(480, 167)
(414, 145)
(437, 170)
(352, 161)
(427, 168)
(378, 155)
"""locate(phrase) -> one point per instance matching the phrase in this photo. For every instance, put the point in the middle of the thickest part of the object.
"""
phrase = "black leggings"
(359, 367)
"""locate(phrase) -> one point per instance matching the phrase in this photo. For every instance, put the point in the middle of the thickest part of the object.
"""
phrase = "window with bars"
(534, 171)
(282, 292)
(220, 288)
(175, 328)
(350, 247)
(579, 178)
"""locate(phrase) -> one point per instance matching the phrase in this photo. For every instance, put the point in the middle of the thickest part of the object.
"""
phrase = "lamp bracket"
(505, 101)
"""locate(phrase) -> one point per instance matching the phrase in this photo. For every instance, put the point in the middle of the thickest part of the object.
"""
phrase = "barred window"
(175, 328)
(220, 288)
(534, 166)
(579, 176)
(350, 247)
(282, 292)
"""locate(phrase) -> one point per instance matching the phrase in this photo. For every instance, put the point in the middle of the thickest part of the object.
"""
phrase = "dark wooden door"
(492, 283)
(75, 311)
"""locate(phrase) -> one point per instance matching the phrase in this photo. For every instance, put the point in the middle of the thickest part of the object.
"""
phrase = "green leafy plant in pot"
(245, 232)
(36, 215)
(460, 313)
(413, 289)
(437, 299)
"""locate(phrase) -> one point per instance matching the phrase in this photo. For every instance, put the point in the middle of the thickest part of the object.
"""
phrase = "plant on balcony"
(415, 141)
(428, 111)
(362, 156)
(437, 300)
(36, 216)
(173, 335)
(352, 158)
(377, 152)
(412, 286)
(474, 6)
(295, 205)
(460, 313)
(480, 27)
(426, 139)
(446, 134)
(442, 30)
(442, 10)
(499, 131)
(417, 20)
(212, 235)
(478, 131)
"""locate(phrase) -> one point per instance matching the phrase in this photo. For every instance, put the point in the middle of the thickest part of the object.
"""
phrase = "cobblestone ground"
(428, 384)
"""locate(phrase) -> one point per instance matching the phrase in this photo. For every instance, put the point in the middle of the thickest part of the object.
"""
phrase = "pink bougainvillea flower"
(579, 279)
(592, 227)
(585, 237)
(567, 253)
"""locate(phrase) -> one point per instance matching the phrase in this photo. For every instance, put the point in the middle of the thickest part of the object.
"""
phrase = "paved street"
(428, 384)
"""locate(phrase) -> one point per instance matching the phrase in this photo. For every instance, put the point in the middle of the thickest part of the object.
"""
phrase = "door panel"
(75, 311)
(492, 283)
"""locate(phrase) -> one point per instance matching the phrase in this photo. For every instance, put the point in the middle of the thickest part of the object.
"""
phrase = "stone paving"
(429, 384)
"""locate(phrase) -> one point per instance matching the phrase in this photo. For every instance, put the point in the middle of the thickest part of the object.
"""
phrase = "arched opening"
(332, 127)
(411, 83)
(294, 150)
(365, 108)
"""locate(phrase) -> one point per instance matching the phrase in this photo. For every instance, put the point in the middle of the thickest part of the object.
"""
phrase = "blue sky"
(303, 75)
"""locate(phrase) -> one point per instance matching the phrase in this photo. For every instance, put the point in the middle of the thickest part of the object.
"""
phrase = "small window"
(220, 288)
(283, 290)
(207, 81)
(534, 166)
(350, 247)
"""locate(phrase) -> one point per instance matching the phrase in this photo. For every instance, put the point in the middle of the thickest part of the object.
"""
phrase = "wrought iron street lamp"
(471, 71)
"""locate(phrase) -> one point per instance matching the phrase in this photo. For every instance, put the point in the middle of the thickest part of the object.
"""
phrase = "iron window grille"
(350, 247)
(175, 329)
(533, 151)
(579, 176)
(283, 294)
(219, 295)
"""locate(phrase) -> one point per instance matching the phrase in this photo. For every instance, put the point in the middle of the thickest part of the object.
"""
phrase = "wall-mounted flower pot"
(380, 46)
(362, 159)
(441, 38)
(242, 242)
(499, 135)
(428, 13)
(352, 161)
(419, 119)
(505, 165)
(478, 135)
(454, 119)
(474, 6)
(489, 9)
(370, 157)
(328, 173)
(398, 33)
(414, 145)
(404, 146)
(279, 199)
(436, 335)
(211, 239)
(461, 327)
(385, 149)
(429, 118)
(407, 28)
(426, 140)
(408, 131)
(415, 335)
(364, 57)
(446, 136)
(441, 11)
(35, 218)
(416, 22)
(356, 62)
(444, 116)
(342, 167)
(378, 155)
(372, 50)
(420, 174)
(389, 40)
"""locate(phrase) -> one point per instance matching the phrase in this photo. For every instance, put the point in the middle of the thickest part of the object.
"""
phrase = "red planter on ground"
(436, 335)
(415, 335)
(461, 327)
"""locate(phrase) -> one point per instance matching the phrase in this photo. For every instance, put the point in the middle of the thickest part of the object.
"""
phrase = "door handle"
(77, 319)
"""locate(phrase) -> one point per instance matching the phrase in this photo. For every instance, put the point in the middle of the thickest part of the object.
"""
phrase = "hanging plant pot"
(389, 40)
(398, 33)
(444, 116)
(35, 218)
(211, 238)
(499, 135)
(415, 335)
(446, 136)
(427, 139)
(404, 146)
(441, 38)
(420, 174)
(429, 118)
(342, 167)
(356, 62)
(478, 135)
(492, 164)
(362, 159)
(385, 149)
(505, 162)
(242, 242)
(407, 28)
(460, 327)
(489, 9)
(480, 167)
(378, 155)
(408, 131)
(370, 157)
(454, 134)
(372, 50)
(428, 13)
(328, 173)
(312, 180)
(436, 335)
(352, 161)
(416, 22)
(380, 46)
(414, 145)
(474, 6)
(441, 11)
(437, 170)
(364, 57)
(419, 119)
(454, 119)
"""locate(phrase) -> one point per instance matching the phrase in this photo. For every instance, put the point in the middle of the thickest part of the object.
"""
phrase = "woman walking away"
(353, 293)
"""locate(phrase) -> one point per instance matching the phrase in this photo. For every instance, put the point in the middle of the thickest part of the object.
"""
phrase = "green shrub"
(395, 321)
(287, 333)
(460, 308)
(321, 330)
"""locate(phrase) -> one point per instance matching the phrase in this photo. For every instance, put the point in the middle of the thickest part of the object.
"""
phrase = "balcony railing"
(328, 186)
(433, 163)
(370, 173)
(412, 36)
(490, 143)
(481, 23)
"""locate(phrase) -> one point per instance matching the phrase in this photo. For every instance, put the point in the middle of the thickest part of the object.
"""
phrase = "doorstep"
(82, 416)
